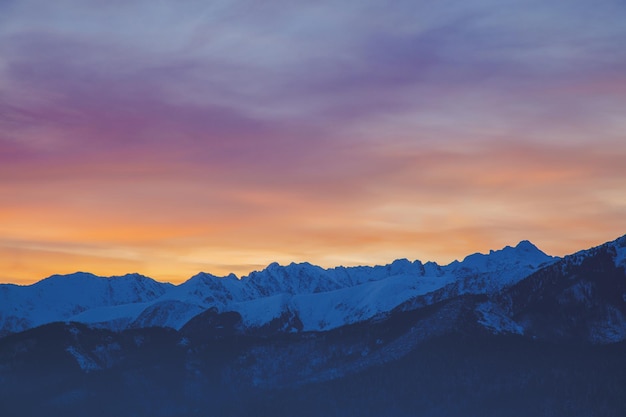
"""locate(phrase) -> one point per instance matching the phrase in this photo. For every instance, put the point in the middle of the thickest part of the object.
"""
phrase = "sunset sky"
(171, 137)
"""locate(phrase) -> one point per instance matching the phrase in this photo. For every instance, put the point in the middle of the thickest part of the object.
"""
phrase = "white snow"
(110, 313)
(324, 311)
(256, 313)
(168, 313)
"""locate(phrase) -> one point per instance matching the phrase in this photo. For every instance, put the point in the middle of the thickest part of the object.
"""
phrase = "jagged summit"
(526, 245)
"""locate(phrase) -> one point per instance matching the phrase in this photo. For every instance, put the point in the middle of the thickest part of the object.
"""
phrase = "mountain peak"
(526, 245)
(273, 266)
(524, 251)
(77, 274)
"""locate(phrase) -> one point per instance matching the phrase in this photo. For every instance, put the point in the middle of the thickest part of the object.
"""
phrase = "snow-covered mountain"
(580, 297)
(546, 335)
(62, 297)
(312, 298)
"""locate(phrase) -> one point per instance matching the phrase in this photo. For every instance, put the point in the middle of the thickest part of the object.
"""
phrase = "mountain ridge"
(349, 294)
(523, 244)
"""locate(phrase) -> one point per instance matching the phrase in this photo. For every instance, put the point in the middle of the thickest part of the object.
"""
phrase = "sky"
(170, 137)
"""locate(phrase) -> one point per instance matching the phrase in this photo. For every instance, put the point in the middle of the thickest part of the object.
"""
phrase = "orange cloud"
(429, 204)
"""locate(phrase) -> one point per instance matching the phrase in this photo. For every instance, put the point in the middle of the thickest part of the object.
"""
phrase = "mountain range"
(321, 299)
(512, 332)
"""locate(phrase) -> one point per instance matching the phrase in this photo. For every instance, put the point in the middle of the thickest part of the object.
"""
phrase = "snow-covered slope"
(319, 299)
(579, 297)
(63, 297)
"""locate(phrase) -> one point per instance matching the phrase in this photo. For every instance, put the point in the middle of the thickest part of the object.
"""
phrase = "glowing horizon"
(179, 137)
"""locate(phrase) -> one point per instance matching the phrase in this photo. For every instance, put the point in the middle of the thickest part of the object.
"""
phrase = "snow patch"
(494, 319)
(611, 329)
(580, 293)
(620, 256)
(85, 362)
